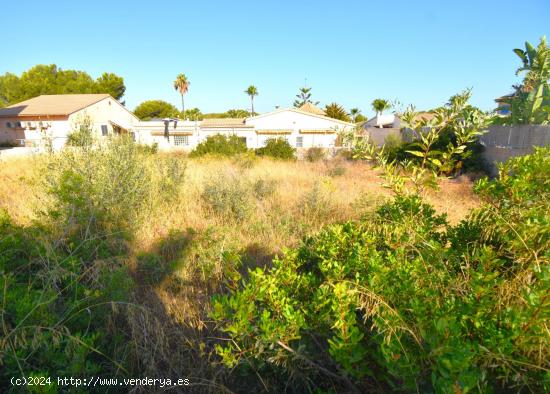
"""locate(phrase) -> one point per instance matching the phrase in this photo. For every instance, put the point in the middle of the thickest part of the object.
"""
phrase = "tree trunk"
(182, 106)
(252, 102)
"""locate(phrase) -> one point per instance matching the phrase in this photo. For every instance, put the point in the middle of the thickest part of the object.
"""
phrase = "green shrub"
(278, 148)
(8, 144)
(148, 149)
(57, 309)
(337, 171)
(220, 144)
(316, 154)
(82, 133)
(407, 300)
(227, 196)
(264, 188)
(245, 160)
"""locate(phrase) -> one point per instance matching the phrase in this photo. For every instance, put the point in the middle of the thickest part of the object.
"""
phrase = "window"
(104, 130)
(299, 142)
(181, 140)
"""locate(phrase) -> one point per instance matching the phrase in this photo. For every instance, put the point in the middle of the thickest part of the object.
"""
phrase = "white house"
(168, 133)
(302, 129)
(392, 121)
(305, 127)
(48, 119)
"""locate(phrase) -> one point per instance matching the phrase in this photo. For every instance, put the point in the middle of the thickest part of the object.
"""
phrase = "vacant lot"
(272, 203)
(226, 215)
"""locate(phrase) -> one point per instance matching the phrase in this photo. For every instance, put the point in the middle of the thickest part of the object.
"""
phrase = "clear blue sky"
(351, 52)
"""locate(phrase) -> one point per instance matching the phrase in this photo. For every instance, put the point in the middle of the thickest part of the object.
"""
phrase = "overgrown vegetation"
(67, 288)
(530, 102)
(278, 148)
(220, 145)
(405, 301)
(445, 145)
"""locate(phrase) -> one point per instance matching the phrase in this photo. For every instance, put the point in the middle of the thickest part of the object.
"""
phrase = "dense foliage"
(220, 144)
(406, 301)
(66, 285)
(304, 97)
(278, 148)
(336, 111)
(445, 144)
(150, 109)
(50, 79)
(530, 103)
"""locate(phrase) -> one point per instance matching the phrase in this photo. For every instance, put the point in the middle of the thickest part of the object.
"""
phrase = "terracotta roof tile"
(55, 104)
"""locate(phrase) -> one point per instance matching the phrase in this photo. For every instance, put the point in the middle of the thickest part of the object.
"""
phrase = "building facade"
(49, 119)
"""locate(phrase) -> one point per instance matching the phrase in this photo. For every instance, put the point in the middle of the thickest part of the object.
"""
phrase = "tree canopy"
(156, 109)
(303, 97)
(380, 105)
(181, 84)
(336, 111)
(50, 79)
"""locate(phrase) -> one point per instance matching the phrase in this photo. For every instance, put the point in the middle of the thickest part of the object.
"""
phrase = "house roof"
(309, 107)
(52, 104)
(505, 97)
(299, 111)
(224, 122)
(425, 116)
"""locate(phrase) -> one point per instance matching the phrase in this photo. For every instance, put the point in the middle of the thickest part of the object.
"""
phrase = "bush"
(408, 300)
(8, 144)
(82, 133)
(337, 171)
(220, 145)
(227, 196)
(264, 188)
(58, 309)
(315, 154)
(278, 148)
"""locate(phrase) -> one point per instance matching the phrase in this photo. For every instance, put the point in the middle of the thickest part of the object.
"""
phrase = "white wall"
(56, 131)
(288, 119)
(144, 134)
(105, 111)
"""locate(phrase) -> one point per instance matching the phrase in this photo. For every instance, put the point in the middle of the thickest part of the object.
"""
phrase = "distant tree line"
(152, 109)
(51, 79)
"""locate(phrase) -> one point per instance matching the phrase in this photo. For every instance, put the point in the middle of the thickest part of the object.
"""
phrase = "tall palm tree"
(354, 112)
(380, 105)
(252, 91)
(181, 84)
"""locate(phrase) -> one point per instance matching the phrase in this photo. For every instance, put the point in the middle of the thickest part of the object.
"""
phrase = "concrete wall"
(378, 136)
(503, 142)
(102, 113)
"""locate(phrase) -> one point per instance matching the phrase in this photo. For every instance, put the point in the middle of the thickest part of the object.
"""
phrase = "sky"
(349, 52)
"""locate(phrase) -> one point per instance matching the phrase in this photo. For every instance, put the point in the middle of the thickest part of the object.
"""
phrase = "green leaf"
(416, 153)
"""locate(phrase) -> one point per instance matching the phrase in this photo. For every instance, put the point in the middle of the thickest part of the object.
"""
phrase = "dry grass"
(276, 221)
(299, 199)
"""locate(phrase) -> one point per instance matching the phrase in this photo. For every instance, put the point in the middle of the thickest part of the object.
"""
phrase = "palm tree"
(354, 112)
(181, 84)
(380, 105)
(252, 91)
